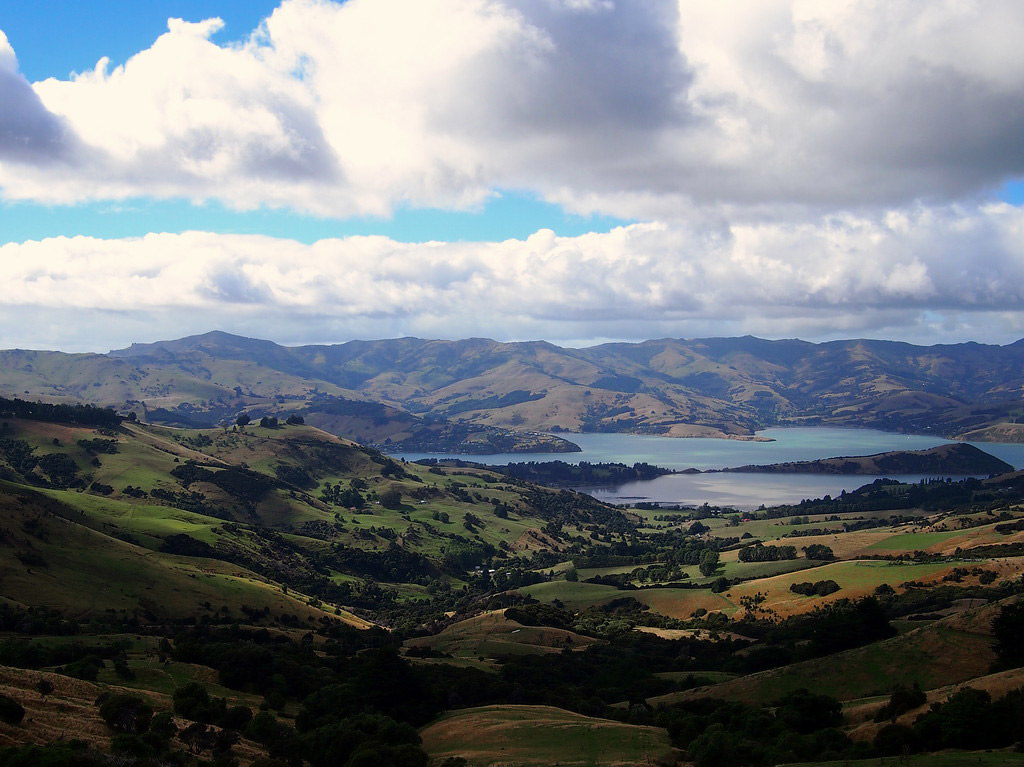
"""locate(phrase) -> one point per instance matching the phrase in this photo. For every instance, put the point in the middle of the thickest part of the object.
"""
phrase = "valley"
(265, 587)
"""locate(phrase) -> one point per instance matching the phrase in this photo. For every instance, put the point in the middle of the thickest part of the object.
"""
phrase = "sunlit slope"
(540, 736)
(50, 558)
(949, 651)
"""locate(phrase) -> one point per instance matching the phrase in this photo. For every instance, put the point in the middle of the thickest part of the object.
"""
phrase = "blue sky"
(54, 38)
(583, 170)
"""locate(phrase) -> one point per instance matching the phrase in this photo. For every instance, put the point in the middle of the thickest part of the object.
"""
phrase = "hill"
(477, 395)
(538, 736)
(275, 519)
(272, 594)
(945, 460)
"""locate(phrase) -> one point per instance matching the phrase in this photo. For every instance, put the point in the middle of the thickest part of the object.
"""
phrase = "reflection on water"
(739, 490)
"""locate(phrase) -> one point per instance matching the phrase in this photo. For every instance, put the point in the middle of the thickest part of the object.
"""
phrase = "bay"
(742, 491)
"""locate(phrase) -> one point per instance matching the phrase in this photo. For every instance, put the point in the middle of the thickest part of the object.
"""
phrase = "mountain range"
(480, 395)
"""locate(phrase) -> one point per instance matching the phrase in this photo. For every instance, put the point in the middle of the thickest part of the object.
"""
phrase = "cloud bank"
(849, 275)
(801, 168)
(630, 107)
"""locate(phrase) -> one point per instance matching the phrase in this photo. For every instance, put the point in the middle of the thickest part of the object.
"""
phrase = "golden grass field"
(542, 736)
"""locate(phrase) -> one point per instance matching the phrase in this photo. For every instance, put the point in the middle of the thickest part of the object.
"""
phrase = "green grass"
(573, 595)
(950, 651)
(957, 759)
(750, 570)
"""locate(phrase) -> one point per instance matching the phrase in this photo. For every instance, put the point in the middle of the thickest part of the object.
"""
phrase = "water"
(739, 491)
(742, 491)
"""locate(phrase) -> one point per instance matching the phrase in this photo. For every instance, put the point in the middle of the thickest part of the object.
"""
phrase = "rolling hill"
(478, 395)
(274, 594)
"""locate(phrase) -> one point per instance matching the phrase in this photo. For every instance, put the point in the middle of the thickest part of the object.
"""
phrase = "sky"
(577, 171)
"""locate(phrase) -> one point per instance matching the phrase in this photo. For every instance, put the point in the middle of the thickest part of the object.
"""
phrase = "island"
(951, 459)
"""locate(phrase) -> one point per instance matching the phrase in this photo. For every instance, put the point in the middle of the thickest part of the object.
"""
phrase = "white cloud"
(804, 168)
(632, 107)
(919, 273)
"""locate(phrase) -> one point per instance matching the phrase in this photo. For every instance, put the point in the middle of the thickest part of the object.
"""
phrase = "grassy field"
(856, 579)
(946, 652)
(915, 541)
(541, 736)
(956, 759)
(492, 635)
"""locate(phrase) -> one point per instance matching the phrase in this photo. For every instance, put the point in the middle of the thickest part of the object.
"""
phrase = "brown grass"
(540, 736)
(491, 634)
(70, 711)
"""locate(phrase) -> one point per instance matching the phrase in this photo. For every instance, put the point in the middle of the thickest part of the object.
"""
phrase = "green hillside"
(295, 598)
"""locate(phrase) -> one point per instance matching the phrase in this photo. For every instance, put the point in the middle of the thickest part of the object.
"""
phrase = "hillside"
(944, 460)
(96, 518)
(276, 595)
(476, 395)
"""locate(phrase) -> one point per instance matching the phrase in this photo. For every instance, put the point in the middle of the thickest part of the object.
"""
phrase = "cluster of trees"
(83, 415)
(819, 551)
(349, 497)
(818, 588)
(969, 719)
(799, 727)
(761, 553)
(57, 470)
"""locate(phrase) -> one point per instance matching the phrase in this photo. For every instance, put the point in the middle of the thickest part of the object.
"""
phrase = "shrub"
(126, 713)
(11, 711)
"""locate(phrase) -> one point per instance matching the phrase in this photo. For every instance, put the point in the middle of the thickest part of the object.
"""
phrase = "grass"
(83, 571)
(955, 759)
(949, 651)
(855, 578)
(576, 596)
(540, 736)
(915, 541)
(682, 676)
(492, 635)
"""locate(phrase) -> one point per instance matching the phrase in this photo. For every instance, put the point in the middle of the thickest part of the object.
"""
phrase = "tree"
(126, 713)
(198, 737)
(295, 420)
(819, 551)
(697, 528)
(708, 563)
(901, 701)
(11, 711)
(571, 575)
(243, 420)
(807, 712)
(1007, 630)
(896, 740)
(391, 498)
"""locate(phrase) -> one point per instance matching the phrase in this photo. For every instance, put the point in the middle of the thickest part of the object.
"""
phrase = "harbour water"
(743, 491)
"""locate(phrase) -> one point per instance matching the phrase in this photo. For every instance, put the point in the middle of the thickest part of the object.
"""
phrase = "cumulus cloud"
(28, 132)
(632, 107)
(939, 271)
(800, 168)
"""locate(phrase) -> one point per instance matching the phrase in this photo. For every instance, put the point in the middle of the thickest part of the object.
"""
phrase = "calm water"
(739, 490)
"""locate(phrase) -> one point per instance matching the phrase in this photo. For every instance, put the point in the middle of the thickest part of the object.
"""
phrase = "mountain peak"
(215, 341)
